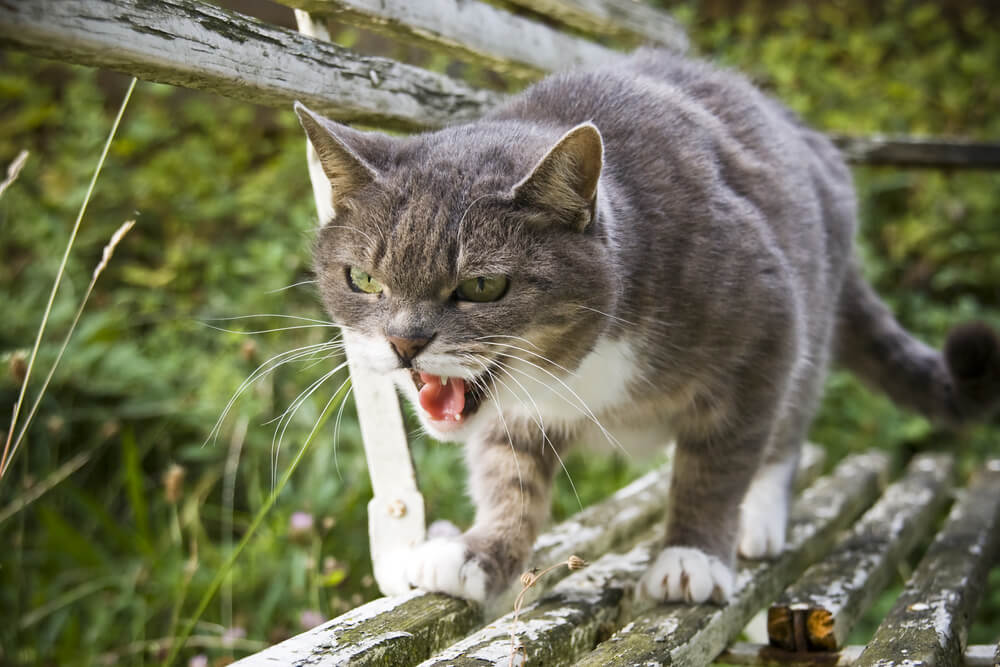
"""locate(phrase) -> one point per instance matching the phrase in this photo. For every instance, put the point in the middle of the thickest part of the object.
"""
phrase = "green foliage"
(112, 560)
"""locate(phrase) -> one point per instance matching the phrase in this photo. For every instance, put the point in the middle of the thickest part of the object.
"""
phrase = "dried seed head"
(575, 563)
(527, 579)
(18, 366)
(173, 483)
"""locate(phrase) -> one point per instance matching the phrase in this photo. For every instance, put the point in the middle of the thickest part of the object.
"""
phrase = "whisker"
(262, 370)
(353, 229)
(336, 431)
(586, 411)
(608, 315)
(288, 287)
(264, 331)
(278, 315)
(481, 338)
(541, 427)
(540, 356)
(289, 414)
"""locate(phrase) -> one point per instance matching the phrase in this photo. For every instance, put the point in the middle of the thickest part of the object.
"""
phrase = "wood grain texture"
(634, 22)
(197, 45)
(469, 30)
(928, 624)
(916, 152)
(833, 593)
(693, 635)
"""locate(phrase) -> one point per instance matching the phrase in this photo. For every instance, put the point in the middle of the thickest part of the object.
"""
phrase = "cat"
(654, 242)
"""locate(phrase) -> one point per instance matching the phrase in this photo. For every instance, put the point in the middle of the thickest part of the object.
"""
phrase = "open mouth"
(446, 399)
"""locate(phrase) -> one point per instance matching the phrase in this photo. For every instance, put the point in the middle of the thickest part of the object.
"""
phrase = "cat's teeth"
(444, 380)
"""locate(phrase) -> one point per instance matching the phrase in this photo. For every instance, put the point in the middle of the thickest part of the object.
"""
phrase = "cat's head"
(469, 263)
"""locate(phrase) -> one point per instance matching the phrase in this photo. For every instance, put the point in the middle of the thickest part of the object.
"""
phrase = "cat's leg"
(710, 477)
(764, 512)
(510, 481)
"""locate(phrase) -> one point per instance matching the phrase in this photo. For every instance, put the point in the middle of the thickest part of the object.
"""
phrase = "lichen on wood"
(694, 635)
(198, 45)
(928, 624)
(836, 591)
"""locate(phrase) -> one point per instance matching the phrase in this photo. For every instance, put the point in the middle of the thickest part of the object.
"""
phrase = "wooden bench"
(849, 531)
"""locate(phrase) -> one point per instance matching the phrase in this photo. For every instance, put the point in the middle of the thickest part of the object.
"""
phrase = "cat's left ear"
(565, 179)
(347, 156)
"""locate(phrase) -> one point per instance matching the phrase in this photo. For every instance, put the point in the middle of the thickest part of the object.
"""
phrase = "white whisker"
(288, 287)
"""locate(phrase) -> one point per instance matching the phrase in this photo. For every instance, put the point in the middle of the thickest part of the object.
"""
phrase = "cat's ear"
(565, 180)
(341, 152)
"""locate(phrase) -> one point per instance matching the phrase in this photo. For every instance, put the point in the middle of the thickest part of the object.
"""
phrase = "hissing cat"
(653, 243)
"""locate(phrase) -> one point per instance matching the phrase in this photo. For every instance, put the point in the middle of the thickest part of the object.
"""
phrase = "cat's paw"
(763, 522)
(447, 566)
(684, 574)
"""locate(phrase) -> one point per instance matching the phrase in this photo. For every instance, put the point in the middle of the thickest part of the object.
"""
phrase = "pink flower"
(310, 619)
(300, 524)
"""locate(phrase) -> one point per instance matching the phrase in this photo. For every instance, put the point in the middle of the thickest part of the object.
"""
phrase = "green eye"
(360, 281)
(482, 288)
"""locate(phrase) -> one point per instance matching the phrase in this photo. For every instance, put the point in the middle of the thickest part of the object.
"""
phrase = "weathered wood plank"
(406, 629)
(197, 45)
(762, 655)
(835, 592)
(928, 624)
(695, 634)
(914, 152)
(469, 30)
(625, 20)
(403, 630)
(580, 611)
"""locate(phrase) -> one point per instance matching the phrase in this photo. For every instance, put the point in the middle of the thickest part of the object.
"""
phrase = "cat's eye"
(361, 281)
(482, 288)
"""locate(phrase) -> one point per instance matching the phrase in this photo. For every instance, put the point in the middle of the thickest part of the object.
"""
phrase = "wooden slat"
(914, 152)
(819, 610)
(469, 30)
(581, 610)
(633, 22)
(693, 635)
(928, 624)
(762, 655)
(197, 45)
(405, 629)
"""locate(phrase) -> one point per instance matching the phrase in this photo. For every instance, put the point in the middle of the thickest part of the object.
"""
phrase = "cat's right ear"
(340, 150)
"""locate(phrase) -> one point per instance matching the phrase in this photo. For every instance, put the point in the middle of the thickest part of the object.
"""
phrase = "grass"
(107, 563)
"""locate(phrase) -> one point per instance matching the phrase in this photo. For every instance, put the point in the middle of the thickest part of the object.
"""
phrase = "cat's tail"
(959, 384)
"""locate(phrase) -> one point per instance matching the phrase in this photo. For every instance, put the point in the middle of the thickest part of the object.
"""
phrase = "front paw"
(448, 566)
(688, 575)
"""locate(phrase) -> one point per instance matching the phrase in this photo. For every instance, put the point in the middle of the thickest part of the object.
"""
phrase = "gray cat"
(654, 244)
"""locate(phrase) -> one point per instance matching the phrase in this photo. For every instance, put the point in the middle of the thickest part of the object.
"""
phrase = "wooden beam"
(914, 152)
(623, 20)
(468, 30)
(762, 655)
(833, 594)
(693, 635)
(929, 622)
(197, 45)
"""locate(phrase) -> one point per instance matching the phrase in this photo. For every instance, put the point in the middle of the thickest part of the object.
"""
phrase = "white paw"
(445, 566)
(764, 516)
(687, 574)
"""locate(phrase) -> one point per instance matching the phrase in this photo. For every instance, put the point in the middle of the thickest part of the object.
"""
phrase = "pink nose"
(407, 348)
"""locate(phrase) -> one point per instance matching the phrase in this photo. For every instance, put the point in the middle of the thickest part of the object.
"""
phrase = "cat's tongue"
(442, 402)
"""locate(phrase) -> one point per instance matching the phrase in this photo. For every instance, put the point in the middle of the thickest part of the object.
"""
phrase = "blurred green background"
(106, 563)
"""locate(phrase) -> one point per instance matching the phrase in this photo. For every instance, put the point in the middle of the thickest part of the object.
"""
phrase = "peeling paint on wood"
(469, 30)
(197, 45)
(694, 635)
(928, 624)
(635, 22)
(835, 592)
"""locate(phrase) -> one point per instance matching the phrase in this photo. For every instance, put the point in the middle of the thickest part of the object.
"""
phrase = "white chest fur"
(597, 387)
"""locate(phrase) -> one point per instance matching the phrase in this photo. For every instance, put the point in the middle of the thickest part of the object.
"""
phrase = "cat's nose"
(408, 347)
